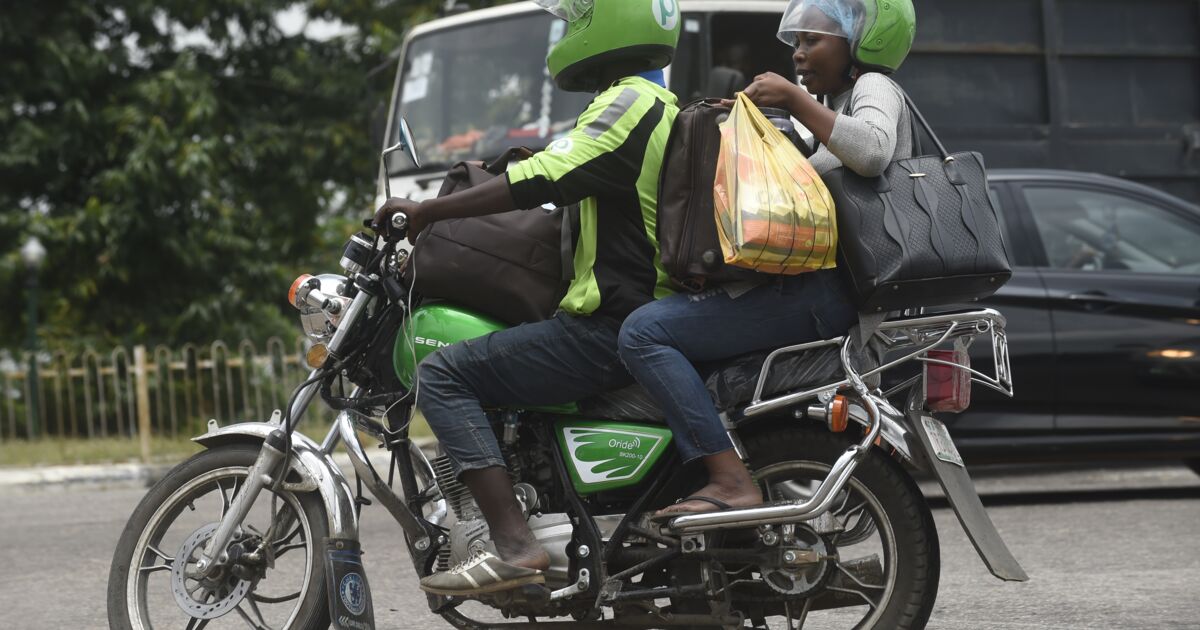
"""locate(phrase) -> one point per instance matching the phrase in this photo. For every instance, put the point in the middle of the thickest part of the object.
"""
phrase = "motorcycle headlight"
(322, 301)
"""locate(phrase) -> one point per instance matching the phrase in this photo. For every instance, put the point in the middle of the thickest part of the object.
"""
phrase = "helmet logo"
(666, 13)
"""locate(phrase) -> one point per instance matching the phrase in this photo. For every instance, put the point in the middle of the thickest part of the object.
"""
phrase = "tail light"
(948, 388)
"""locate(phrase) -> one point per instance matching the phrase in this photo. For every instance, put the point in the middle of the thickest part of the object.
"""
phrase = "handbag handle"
(917, 119)
(916, 113)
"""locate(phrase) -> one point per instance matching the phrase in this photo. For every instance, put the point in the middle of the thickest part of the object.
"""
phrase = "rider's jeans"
(660, 341)
(557, 361)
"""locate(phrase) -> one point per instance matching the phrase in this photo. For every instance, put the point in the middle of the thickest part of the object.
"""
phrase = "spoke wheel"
(270, 578)
(879, 542)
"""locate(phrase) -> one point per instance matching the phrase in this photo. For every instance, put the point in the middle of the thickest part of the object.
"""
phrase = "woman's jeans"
(660, 341)
(560, 360)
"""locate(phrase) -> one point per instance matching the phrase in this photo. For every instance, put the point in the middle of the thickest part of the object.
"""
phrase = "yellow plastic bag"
(773, 212)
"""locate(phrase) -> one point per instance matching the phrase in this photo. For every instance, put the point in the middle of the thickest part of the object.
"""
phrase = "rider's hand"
(382, 223)
(771, 90)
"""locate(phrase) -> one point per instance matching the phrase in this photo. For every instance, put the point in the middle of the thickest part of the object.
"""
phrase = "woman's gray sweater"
(873, 128)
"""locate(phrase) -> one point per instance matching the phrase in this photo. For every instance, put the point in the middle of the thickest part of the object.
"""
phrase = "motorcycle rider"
(610, 164)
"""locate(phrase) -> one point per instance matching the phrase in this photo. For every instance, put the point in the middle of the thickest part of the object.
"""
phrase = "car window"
(1089, 230)
(1017, 251)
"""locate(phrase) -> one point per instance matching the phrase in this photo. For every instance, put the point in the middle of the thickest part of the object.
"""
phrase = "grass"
(70, 452)
(76, 451)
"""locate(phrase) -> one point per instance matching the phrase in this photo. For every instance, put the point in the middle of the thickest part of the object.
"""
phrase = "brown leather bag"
(514, 266)
(687, 229)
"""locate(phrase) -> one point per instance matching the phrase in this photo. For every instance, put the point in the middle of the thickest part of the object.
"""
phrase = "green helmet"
(640, 34)
(880, 32)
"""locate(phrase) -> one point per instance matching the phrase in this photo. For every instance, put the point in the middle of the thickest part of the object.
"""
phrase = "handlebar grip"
(399, 221)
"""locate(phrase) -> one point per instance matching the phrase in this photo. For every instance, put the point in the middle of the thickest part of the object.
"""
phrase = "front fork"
(421, 532)
(258, 477)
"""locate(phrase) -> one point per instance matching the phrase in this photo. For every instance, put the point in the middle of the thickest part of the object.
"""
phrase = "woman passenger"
(843, 48)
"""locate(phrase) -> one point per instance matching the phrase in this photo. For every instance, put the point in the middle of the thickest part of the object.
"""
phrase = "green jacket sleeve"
(602, 155)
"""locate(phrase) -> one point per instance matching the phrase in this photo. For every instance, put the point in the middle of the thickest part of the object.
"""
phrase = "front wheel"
(274, 579)
(880, 540)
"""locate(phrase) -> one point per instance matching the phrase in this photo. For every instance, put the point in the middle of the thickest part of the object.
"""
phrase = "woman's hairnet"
(840, 18)
(569, 10)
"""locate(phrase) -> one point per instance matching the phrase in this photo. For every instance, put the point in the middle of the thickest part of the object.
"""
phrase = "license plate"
(939, 438)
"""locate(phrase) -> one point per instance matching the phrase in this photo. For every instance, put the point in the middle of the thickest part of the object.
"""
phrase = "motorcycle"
(262, 527)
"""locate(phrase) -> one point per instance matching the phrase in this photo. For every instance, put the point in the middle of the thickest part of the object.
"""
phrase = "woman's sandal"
(720, 505)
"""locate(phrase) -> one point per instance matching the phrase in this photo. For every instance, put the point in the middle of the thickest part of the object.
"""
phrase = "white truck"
(475, 84)
(1032, 84)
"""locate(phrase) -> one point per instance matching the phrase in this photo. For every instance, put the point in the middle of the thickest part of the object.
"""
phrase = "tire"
(917, 557)
(1194, 464)
(158, 510)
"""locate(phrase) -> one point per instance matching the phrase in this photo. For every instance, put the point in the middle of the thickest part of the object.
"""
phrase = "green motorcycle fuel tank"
(600, 455)
(436, 326)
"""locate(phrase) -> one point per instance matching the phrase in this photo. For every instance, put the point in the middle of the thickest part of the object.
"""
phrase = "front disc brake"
(204, 600)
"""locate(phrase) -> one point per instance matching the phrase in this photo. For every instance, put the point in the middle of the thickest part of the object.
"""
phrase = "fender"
(314, 469)
(893, 429)
(901, 431)
(964, 499)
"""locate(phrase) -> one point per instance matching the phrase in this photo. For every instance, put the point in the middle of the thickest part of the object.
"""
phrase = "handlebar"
(396, 229)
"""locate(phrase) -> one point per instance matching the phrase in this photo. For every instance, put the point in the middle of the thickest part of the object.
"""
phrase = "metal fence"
(170, 391)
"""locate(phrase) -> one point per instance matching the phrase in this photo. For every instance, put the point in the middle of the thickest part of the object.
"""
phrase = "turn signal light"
(839, 414)
(948, 388)
(317, 355)
(835, 413)
(296, 287)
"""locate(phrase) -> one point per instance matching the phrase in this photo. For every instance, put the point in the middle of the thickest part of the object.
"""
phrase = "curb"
(94, 475)
(134, 475)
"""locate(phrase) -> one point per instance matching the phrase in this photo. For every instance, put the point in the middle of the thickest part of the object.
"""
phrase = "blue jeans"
(660, 341)
(557, 361)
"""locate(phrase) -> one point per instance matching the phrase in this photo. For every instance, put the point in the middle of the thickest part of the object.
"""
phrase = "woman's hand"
(772, 90)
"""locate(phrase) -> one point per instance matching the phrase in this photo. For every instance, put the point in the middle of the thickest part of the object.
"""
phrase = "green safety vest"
(609, 164)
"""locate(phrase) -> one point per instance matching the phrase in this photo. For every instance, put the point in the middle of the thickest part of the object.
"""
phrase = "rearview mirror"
(406, 145)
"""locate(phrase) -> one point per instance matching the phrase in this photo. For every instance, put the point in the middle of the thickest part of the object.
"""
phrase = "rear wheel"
(151, 584)
(880, 538)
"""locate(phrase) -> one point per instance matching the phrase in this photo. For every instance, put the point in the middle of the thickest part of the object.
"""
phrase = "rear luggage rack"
(925, 331)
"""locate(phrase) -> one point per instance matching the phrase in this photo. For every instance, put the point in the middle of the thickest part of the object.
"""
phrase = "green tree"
(182, 161)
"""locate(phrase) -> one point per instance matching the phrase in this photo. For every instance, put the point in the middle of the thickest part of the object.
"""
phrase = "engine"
(470, 531)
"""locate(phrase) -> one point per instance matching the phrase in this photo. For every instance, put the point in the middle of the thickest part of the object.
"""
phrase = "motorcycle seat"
(731, 383)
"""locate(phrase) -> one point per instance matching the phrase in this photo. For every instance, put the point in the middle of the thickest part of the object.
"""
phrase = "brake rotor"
(228, 592)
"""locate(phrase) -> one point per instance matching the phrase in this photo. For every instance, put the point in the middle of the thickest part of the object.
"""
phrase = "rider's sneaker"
(479, 574)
